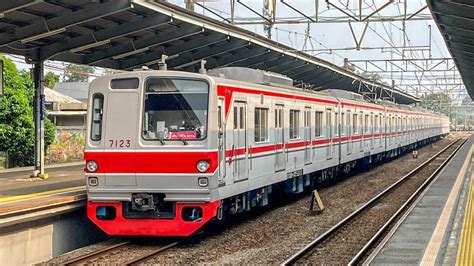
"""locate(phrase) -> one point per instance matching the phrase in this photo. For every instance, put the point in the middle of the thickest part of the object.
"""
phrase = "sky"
(338, 35)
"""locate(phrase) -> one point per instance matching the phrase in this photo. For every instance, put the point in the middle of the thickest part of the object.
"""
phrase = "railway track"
(95, 256)
(425, 174)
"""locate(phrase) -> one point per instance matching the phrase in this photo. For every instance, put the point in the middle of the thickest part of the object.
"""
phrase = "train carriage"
(168, 151)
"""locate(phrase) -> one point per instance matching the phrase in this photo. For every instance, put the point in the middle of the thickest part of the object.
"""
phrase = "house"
(67, 113)
(76, 90)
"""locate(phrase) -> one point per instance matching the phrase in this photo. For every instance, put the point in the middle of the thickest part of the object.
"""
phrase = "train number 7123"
(119, 143)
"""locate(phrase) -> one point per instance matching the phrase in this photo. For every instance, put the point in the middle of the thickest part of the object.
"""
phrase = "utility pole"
(269, 13)
(190, 5)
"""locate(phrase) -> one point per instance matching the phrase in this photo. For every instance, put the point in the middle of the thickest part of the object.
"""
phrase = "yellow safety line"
(434, 245)
(39, 194)
(466, 249)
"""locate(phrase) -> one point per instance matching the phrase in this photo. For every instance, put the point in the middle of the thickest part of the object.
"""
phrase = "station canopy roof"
(455, 20)
(129, 34)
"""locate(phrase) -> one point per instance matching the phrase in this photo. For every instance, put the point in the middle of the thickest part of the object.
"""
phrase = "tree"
(77, 73)
(16, 117)
(438, 102)
(50, 79)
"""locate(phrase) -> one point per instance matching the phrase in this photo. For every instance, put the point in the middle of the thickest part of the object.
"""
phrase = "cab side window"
(97, 112)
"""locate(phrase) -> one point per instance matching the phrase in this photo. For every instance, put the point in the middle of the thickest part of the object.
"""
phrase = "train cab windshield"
(175, 109)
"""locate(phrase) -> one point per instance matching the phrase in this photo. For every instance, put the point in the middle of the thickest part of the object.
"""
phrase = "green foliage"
(16, 117)
(76, 73)
(438, 102)
(50, 79)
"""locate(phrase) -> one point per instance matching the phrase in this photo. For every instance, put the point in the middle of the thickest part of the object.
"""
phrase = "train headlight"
(92, 166)
(202, 166)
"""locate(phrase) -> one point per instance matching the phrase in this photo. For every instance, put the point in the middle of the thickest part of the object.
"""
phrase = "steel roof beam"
(306, 72)
(238, 56)
(9, 6)
(462, 41)
(461, 46)
(272, 61)
(298, 69)
(64, 21)
(316, 76)
(141, 44)
(279, 63)
(195, 57)
(456, 22)
(104, 35)
(322, 81)
(288, 66)
(172, 51)
(256, 59)
(453, 10)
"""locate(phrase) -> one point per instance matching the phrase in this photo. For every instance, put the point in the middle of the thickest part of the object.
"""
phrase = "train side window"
(235, 117)
(380, 123)
(278, 118)
(354, 124)
(366, 124)
(261, 125)
(348, 122)
(376, 126)
(318, 123)
(343, 124)
(242, 117)
(294, 124)
(219, 117)
(97, 111)
(307, 118)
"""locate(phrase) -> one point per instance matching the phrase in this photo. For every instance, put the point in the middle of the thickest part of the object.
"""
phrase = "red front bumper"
(152, 227)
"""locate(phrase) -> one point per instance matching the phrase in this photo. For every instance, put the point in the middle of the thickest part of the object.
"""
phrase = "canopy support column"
(39, 115)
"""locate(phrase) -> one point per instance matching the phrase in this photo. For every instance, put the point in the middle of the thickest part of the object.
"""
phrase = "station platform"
(438, 229)
(19, 191)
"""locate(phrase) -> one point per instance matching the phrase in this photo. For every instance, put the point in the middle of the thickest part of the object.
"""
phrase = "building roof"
(57, 97)
(128, 34)
(455, 20)
(76, 90)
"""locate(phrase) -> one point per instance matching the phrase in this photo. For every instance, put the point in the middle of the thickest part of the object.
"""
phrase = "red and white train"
(168, 151)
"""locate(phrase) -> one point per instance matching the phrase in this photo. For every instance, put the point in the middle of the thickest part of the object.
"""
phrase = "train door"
(279, 139)
(240, 141)
(121, 136)
(329, 133)
(221, 141)
(367, 132)
(349, 132)
(362, 131)
(372, 130)
(307, 135)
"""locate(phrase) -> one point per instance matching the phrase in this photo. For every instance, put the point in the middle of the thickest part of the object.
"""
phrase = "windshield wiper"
(160, 138)
(184, 141)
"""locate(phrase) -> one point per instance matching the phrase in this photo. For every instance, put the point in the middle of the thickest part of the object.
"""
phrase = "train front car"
(151, 153)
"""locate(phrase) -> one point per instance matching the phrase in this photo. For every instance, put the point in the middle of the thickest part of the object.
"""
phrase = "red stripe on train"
(151, 162)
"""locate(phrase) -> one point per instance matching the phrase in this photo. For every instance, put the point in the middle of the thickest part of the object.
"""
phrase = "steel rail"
(295, 257)
(95, 253)
(150, 254)
(419, 192)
